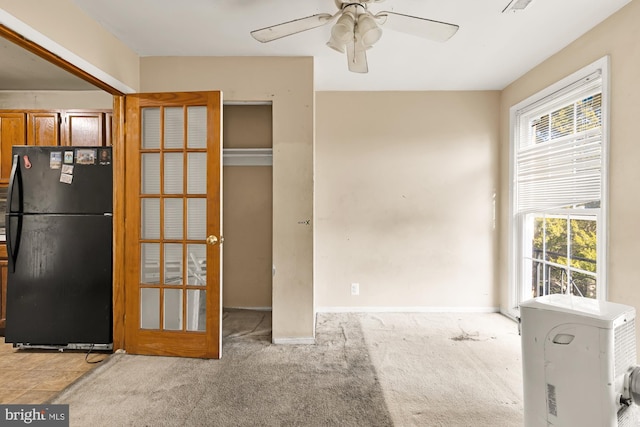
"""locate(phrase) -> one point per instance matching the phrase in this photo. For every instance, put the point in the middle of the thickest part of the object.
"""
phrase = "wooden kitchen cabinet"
(51, 127)
(43, 128)
(13, 131)
(25, 128)
(86, 128)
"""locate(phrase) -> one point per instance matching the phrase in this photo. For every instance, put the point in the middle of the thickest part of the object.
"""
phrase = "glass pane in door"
(150, 308)
(151, 128)
(197, 173)
(151, 214)
(173, 309)
(173, 173)
(197, 262)
(150, 173)
(196, 310)
(150, 263)
(173, 127)
(173, 221)
(173, 264)
(197, 127)
(196, 219)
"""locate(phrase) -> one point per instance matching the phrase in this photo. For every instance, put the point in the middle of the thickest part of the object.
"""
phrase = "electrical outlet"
(355, 289)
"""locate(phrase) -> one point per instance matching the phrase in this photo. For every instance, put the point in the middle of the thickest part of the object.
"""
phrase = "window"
(560, 254)
(558, 172)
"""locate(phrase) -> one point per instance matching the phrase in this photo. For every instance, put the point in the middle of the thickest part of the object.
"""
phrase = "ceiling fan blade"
(292, 27)
(420, 27)
(357, 58)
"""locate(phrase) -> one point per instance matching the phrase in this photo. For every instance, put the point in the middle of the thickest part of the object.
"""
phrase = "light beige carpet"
(447, 369)
(364, 370)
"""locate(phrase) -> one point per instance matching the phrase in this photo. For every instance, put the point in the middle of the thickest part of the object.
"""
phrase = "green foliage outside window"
(557, 253)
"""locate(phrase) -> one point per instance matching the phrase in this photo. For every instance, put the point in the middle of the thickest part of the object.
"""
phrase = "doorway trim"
(37, 43)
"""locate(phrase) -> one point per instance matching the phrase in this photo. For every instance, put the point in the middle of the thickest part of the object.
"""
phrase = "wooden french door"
(173, 224)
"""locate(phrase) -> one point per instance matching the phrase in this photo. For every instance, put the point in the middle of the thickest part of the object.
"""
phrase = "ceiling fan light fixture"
(368, 30)
(516, 5)
(342, 31)
(336, 45)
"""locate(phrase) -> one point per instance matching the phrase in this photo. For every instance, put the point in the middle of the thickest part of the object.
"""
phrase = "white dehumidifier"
(579, 362)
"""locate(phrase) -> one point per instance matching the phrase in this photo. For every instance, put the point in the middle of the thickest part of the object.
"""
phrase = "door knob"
(212, 240)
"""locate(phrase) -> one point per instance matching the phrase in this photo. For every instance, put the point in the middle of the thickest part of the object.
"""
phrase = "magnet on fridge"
(55, 159)
(104, 156)
(86, 156)
(27, 162)
(66, 178)
(68, 157)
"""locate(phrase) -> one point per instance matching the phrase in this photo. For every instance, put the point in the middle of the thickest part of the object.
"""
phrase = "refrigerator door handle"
(13, 240)
(13, 233)
(15, 180)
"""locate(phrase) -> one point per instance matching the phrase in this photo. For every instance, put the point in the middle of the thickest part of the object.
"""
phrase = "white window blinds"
(558, 160)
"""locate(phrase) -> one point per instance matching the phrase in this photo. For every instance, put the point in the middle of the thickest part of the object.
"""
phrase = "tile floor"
(35, 376)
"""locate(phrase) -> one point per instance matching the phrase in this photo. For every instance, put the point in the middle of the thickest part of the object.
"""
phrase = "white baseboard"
(509, 315)
(248, 308)
(408, 309)
(294, 341)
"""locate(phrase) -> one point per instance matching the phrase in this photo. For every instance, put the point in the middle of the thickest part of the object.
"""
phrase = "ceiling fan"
(356, 29)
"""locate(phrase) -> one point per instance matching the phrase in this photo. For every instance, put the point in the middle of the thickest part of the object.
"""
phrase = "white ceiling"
(490, 50)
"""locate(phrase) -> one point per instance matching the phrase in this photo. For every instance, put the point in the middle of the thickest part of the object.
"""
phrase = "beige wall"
(617, 37)
(247, 237)
(43, 100)
(288, 84)
(404, 199)
(248, 204)
(63, 23)
(247, 126)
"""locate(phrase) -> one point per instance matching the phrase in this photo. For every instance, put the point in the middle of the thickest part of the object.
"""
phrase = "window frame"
(516, 284)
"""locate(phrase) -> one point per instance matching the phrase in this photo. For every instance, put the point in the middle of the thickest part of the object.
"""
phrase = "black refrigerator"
(59, 224)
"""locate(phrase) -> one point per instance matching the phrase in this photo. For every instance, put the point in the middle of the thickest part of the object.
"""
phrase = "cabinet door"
(13, 131)
(3, 293)
(44, 128)
(83, 128)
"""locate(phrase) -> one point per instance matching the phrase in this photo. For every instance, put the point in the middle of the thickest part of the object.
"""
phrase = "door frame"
(119, 197)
